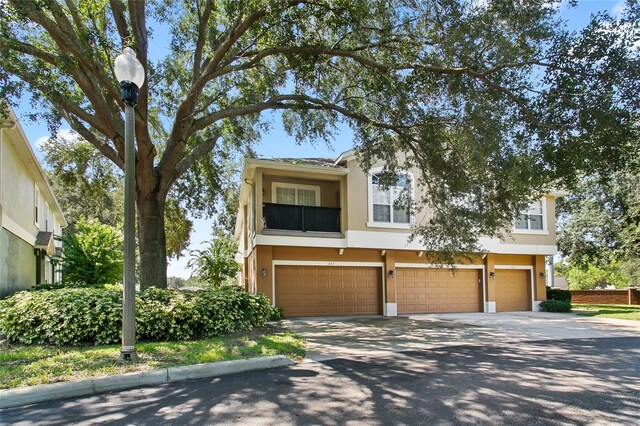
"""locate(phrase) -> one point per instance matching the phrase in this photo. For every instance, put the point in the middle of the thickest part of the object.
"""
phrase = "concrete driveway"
(352, 337)
(477, 369)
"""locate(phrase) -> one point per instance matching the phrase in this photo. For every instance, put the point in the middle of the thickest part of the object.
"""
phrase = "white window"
(532, 219)
(46, 217)
(36, 204)
(382, 200)
(289, 193)
(250, 212)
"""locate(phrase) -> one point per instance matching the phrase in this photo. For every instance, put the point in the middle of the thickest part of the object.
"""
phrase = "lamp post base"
(128, 354)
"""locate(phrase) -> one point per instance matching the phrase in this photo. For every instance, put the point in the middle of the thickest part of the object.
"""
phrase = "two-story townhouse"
(30, 217)
(322, 237)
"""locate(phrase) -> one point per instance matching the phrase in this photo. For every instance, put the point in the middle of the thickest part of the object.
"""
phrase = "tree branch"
(63, 104)
(118, 17)
(279, 102)
(86, 74)
(90, 137)
(521, 104)
(29, 49)
(75, 15)
(202, 29)
(176, 142)
(193, 156)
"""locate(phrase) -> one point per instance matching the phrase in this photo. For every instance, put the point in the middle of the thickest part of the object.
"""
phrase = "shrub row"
(558, 294)
(90, 315)
(555, 306)
(66, 284)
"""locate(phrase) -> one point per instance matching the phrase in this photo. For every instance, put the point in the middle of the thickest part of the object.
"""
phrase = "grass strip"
(22, 365)
(628, 312)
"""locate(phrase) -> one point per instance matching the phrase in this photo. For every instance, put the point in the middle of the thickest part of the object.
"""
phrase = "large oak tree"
(493, 101)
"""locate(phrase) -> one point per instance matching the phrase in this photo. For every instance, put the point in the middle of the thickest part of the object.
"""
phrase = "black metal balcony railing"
(301, 218)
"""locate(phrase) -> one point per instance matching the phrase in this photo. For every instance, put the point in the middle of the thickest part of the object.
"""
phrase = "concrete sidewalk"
(41, 393)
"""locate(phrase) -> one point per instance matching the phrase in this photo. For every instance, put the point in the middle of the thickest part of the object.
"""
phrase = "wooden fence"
(629, 296)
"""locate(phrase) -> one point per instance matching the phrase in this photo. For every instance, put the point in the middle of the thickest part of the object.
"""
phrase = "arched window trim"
(371, 223)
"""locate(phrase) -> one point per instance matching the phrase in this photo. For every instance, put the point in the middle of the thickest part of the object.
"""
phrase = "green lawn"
(611, 311)
(22, 365)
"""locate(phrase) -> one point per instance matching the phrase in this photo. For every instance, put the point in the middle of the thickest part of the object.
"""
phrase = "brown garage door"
(513, 290)
(328, 290)
(424, 290)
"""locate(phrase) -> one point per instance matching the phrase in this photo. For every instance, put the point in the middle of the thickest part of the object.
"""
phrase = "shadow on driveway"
(578, 381)
(345, 337)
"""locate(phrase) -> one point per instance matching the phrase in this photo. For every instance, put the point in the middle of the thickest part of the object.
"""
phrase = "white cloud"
(619, 8)
(64, 134)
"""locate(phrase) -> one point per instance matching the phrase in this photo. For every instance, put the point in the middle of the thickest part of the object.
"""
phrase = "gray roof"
(324, 162)
(43, 239)
(560, 282)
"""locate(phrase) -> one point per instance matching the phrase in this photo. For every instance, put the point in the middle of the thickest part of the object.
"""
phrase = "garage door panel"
(513, 290)
(320, 290)
(424, 290)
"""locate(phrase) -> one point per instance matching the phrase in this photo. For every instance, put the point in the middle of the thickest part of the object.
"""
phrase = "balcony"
(290, 217)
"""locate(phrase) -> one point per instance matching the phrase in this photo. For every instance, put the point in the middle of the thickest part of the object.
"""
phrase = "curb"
(10, 398)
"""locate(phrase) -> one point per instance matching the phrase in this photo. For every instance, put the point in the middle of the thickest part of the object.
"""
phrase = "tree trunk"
(152, 241)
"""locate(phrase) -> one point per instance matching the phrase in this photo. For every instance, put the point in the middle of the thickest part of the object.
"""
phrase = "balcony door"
(300, 195)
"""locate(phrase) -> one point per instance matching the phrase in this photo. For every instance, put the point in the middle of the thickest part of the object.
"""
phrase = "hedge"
(555, 306)
(558, 294)
(90, 315)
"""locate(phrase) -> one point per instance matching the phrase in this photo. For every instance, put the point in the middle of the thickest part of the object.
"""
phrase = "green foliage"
(216, 263)
(555, 306)
(600, 231)
(64, 316)
(600, 220)
(494, 102)
(75, 315)
(631, 268)
(28, 365)
(177, 227)
(92, 254)
(595, 276)
(65, 284)
(558, 294)
(176, 282)
(277, 313)
(86, 184)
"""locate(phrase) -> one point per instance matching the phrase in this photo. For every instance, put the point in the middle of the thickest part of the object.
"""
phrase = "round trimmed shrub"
(92, 315)
(555, 306)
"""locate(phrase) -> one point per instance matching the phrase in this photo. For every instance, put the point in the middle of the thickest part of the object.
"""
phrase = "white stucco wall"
(22, 182)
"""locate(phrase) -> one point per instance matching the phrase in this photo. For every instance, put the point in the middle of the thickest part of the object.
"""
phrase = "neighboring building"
(560, 282)
(321, 237)
(30, 216)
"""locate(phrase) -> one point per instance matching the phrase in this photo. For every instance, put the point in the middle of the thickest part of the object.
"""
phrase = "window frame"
(36, 205)
(543, 231)
(371, 223)
(295, 186)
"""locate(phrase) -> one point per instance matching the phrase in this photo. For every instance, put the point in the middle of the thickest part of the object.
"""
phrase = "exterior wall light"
(542, 274)
(392, 273)
(492, 274)
(264, 272)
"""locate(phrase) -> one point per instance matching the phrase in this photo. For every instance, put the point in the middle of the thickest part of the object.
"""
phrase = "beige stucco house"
(30, 217)
(322, 237)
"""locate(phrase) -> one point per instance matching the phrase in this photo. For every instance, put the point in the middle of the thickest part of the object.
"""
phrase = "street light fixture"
(130, 73)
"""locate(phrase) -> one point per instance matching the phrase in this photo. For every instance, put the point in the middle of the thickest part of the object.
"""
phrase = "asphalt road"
(578, 381)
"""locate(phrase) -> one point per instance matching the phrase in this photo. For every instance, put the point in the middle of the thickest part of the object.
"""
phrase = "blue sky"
(278, 144)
